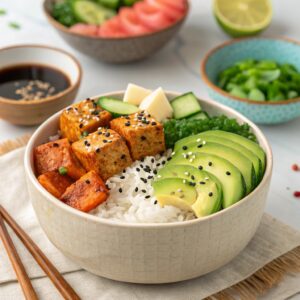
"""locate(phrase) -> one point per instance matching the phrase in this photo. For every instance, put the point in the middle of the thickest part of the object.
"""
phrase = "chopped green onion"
(14, 25)
(63, 171)
(2, 12)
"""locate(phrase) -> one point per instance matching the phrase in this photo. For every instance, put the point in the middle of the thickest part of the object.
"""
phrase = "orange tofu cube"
(143, 134)
(55, 183)
(82, 118)
(103, 151)
(86, 193)
(53, 155)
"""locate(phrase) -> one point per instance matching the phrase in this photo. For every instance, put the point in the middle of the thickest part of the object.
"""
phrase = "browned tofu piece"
(55, 183)
(103, 151)
(82, 118)
(86, 193)
(143, 134)
(51, 156)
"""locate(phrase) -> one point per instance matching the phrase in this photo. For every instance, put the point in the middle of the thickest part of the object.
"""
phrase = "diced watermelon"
(172, 13)
(177, 4)
(85, 29)
(150, 16)
(130, 22)
(112, 29)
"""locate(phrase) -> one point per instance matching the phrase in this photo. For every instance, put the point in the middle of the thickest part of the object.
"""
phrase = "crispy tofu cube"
(86, 193)
(55, 183)
(143, 134)
(51, 156)
(103, 151)
(83, 118)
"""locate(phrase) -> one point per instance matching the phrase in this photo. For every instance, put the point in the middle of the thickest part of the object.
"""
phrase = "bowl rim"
(65, 29)
(30, 174)
(71, 88)
(224, 93)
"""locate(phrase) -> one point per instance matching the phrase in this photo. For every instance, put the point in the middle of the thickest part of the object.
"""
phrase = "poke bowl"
(282, 53)
(138, 213)
(126, 34)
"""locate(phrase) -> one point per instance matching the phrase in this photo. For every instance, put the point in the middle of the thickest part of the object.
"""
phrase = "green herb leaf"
(14, 25)
(63, 171)
(2, 12)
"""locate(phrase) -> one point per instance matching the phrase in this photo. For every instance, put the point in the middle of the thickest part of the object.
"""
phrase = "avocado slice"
(231, 179)
(236, 158)
(250, 145)
(175, 191)
(235, 146)
(209, 190)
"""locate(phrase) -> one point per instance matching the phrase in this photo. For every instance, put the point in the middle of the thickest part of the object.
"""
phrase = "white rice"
(126, 205)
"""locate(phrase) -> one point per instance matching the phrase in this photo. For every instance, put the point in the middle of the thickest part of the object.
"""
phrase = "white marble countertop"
(176, 67)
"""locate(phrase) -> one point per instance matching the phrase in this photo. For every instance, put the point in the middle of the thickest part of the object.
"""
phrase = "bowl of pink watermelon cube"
(117, 31)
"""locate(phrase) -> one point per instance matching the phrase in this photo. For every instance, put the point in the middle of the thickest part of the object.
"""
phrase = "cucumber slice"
(185, 105)
(113, 4)
(199, 116)
(91, 12)
(117, 107)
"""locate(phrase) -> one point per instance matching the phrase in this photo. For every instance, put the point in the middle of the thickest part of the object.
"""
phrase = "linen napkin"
(272, 240)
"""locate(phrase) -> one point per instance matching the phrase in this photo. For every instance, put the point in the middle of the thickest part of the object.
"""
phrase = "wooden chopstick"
(16, 262)
(61, 284)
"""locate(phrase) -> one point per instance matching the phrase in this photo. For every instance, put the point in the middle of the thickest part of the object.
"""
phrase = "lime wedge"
(243, 17)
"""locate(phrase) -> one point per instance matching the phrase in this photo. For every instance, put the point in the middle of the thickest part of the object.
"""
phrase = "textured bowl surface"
(34, 112)
(115, 50)
(224, 56)
(148, 253)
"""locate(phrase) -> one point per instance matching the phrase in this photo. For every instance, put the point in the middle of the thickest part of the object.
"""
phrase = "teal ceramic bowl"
(279, 49)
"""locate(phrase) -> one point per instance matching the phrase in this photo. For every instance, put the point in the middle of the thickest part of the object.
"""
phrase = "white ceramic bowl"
(34, 112)
(148, 253)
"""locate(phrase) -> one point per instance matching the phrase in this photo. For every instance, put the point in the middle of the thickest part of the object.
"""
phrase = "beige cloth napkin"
(271, 241)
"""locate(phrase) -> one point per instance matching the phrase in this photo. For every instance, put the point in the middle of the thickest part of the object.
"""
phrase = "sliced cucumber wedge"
(113, 4)
(91, 13)
(185, 106)
(199, 116)
(117, 107)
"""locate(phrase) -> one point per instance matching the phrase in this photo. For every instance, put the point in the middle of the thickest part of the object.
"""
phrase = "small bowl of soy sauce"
(36, 82)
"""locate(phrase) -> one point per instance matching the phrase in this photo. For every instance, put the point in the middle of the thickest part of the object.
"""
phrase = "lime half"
(243, 17)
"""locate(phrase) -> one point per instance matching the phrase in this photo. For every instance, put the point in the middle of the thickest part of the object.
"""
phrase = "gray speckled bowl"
(153, 252)
(115, 50)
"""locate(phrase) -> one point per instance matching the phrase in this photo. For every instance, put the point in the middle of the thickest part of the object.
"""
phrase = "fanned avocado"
(231, 179)
(236, 158)
(205, 136)
(250, 145)
(208, 187)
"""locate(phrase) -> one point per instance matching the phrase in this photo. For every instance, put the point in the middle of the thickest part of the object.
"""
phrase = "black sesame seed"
(142, 166)
(184, 148)
(150, 177)
(97, 150)
(144, 191)
(200, 168)
(210, 163)
(152, 160)
(124, 171)
(143, 138)
(107, 134)
(122, 177)
(55, 145)
(86, 142)
(169, 158)
(210, 194)
(154, 172)
(163, 162)
(120, 190)
(193, 177)
(200, 146)
(192, 183)
(136, 189)
(153, 123)
(155, 202)
(138, 169)
(228, 173)
(126, 117)
(142, 160)
(87, 181)
(127, 123)
(95, 112)
(80, 125)
(123, 156)
(99, 132)
(158, 164)
(107, 186)
(147, 197)
(202, 182)
(104, 141)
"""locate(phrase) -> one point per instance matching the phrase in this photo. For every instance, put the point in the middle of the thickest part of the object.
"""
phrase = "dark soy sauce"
(31, 82)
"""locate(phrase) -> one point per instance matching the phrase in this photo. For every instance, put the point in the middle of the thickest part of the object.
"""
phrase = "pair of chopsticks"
(61, 284)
